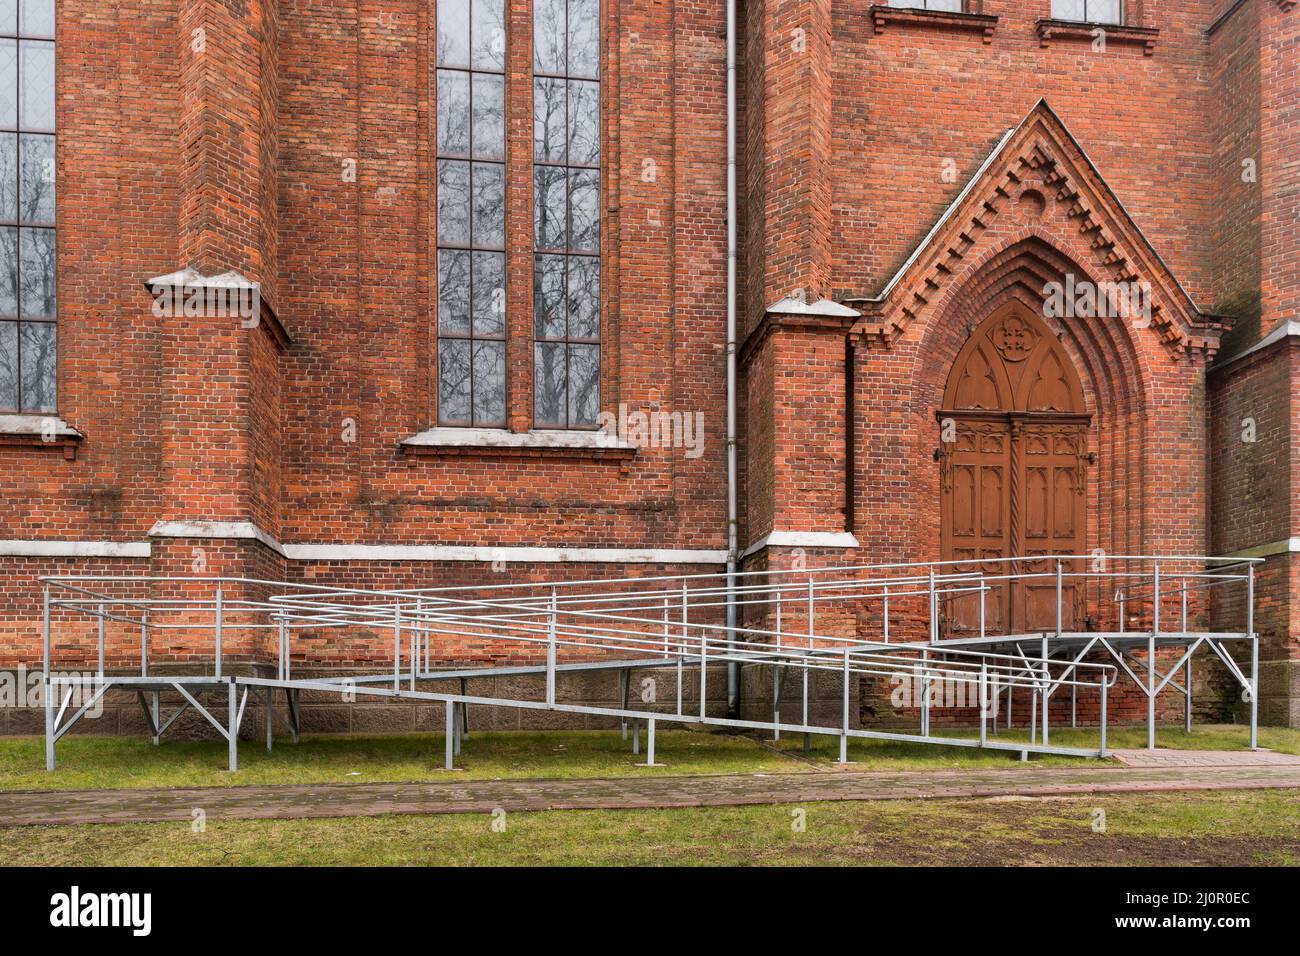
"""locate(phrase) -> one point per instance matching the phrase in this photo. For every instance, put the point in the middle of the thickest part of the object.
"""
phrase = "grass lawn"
(112, 762)
(1223, 828)
(87, 762)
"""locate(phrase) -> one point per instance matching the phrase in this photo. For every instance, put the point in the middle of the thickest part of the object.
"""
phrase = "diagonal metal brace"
(281, 719)
(1119, 658)
(202, 710)
(294, 716)
(1181, 661)
(1074, 665)
(185, 705)
(94, 699)
(148, 714)
(63, 708)
(1138, 662)
(1231, 664)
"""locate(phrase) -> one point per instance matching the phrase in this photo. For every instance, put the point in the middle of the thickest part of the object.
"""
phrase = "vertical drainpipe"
(733, 523)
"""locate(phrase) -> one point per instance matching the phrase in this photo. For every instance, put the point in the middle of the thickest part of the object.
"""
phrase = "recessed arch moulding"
(1036, 214)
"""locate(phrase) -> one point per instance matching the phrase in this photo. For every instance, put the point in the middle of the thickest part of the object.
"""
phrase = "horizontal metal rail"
(669, 621)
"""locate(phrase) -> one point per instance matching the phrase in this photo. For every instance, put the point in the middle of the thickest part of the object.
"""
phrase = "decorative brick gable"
(1041, 160)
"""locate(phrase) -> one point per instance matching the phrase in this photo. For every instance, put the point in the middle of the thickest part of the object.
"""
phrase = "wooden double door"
(1013, 473)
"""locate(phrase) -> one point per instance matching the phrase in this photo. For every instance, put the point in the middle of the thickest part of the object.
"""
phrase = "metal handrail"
(305, 604)
(674, 620)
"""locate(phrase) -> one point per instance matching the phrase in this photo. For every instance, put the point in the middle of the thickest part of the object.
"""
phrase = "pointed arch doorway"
(1013, 459)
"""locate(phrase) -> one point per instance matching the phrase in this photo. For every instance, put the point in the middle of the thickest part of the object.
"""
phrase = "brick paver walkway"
(1205, 758)
(29, 808)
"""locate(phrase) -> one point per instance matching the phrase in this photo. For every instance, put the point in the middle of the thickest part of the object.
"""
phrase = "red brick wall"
(1235, 85)
(909, 99)
(852, 145)
(1251, 480)
(1279, 72)
(790, 76)
(760, 442)
(1255, 485)
(357, 299)
(117, 213)
(810, 429)
(192, 421)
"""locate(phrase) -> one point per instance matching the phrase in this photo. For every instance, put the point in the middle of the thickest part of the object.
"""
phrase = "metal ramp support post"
(232, 723)
(449, 745)
(47, 690)
(1254, 657)
(984, 699)
(807, 737)
(844, 737)
(1151, 658)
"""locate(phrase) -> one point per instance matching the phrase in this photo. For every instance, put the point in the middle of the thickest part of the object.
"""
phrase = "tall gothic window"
(1089, 11)
(471, 212)
(566, 213)
(28, 336)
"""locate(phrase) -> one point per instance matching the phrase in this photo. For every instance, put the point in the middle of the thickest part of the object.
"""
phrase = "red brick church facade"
(413, 401)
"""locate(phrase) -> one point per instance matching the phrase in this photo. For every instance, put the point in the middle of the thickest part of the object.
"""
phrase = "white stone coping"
(193, 279)
(822, 307)
(248, 530)
(15, 547)
(501, 438)
(803, 539)
(74, 549)
(512, 554)
(509, 555)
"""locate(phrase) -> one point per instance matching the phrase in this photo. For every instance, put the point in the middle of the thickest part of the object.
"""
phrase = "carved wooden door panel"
(1013, 454)
(1052, 476)
(976, 518)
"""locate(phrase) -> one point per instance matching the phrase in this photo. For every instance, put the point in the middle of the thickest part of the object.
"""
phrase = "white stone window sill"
(546, 442)
(39, 431)
(36, 425)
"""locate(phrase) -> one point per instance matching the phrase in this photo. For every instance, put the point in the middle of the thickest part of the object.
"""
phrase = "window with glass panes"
(1089, 11)
(28, 333)
(566, 213)
(471, 212)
